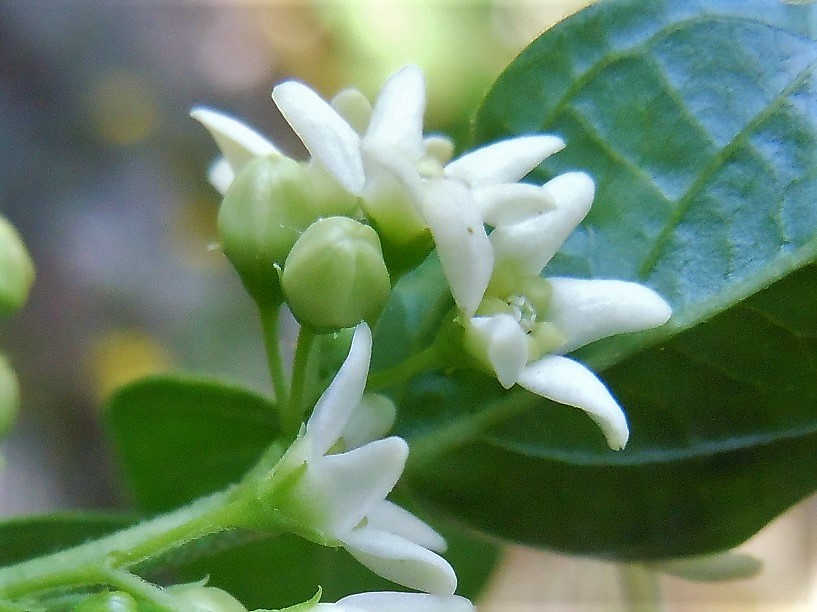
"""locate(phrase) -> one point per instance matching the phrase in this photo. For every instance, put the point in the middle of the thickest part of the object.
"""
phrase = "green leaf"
(180, 438)
(31, 536)
(698, 121)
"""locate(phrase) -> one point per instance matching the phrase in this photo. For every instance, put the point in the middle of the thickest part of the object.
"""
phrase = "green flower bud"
(16, 269)
(9, 397)
(267, 207)
(335, 276)
(108, 601)
(206, 598)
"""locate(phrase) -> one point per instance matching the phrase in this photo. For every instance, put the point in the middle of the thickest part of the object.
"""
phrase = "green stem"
(427, 359)
(291, 421)
(85, 564)
(640, 587)
(269, 325)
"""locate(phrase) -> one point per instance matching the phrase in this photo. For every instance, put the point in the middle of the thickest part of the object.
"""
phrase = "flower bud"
(269, 204)
(107, 601)
(9, 397)
(16, 269)
(206, 598)
(335, 276)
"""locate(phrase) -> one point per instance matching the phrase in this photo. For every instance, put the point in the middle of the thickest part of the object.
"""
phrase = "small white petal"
(531, 244)
(440, 148)
(403, 602)
(371, 420)
(462, 244)
(587, 310)
(221, 175)
(353, 106)
(399, 521)
(340, 490)
(569, 382)
(238, 142)
(397, 118)
(323, 131)
(503, 343)
(505, 161)
(508, 203)
(334, 408)
(400, 560)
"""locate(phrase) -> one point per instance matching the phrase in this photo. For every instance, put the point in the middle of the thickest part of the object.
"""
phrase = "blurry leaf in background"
(124, 356)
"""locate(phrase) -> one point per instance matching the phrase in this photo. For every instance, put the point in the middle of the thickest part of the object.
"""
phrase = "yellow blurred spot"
(122, 356)
(124, 108)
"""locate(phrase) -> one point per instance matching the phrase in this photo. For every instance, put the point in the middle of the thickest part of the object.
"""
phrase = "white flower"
(331, 485)
(525, 323)
(398, 602)
(403, 179)
(406, 184)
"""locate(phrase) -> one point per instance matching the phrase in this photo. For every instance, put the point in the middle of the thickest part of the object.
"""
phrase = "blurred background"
(104, 175)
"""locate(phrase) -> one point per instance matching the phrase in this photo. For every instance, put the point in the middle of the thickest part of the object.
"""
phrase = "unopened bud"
(108, 601)
(267, 207)
(206, 598)
(335, 276)
(16, 269)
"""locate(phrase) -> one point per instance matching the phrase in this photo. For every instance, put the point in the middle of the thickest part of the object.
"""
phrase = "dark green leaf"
(31, 536)
(178, 439)
(698, 121)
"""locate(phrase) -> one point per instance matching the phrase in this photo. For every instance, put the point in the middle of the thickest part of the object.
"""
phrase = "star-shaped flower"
(406, 185)
(525, 323)
(331, 484)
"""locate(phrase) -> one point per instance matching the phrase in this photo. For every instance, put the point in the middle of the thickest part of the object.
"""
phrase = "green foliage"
(179, 439)
(698, 121)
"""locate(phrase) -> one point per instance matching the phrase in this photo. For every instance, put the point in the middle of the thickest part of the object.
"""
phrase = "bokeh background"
(104, 175)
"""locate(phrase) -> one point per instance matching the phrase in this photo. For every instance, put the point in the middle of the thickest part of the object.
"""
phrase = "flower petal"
(371, 420)
(385, 601)
(353, 106)
(439, 147)
(569, 382)
(587, 310)
(397, 118)
(336, 492)
(221, 175)
(501, 341)
(334, 408)
(399, 521)
(531, 244)
(238, 142)
(323, 131)
(505, 161)
(462, 244)
(400, 560)
(508, 203)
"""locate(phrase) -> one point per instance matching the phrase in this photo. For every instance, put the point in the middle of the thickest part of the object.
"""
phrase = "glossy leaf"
(180, 438)
(698, 121)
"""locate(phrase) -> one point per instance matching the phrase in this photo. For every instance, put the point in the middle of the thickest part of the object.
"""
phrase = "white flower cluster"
(494, 235)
